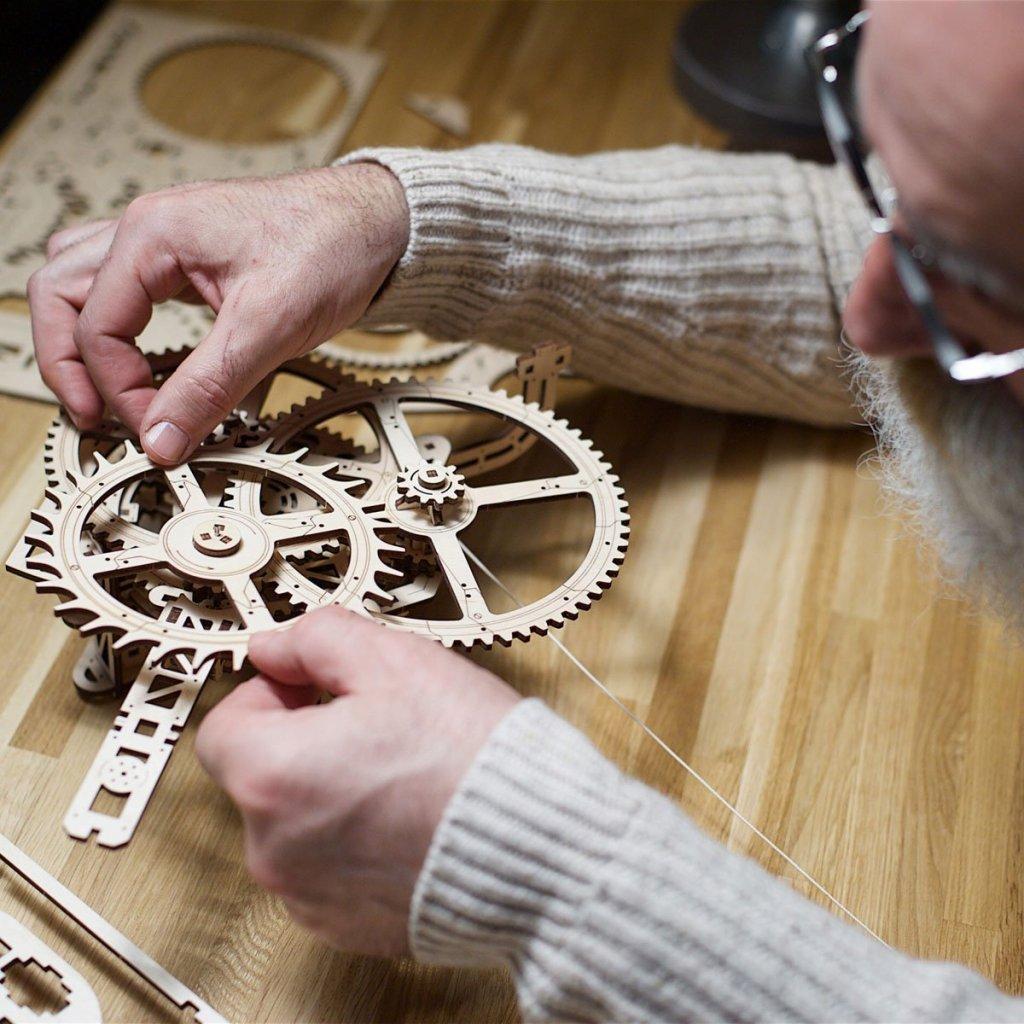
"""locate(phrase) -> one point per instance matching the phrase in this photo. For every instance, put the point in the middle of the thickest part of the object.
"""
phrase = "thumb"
(259, 694)
(336, 650)
(229, 726)
(242, 348)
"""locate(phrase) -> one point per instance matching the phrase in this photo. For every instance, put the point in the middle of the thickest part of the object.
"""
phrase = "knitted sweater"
(704, 278)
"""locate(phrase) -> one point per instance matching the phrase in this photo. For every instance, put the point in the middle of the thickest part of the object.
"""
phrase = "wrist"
(374, 190)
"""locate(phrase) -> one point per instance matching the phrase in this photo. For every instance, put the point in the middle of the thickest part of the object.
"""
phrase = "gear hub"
(431, 487)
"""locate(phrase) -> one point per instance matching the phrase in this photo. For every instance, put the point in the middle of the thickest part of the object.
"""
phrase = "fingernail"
(166, 441)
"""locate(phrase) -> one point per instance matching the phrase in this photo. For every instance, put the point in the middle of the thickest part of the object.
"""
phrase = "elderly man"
(430, 808)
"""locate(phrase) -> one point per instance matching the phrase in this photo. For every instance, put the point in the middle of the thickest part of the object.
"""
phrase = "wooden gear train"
(170, 571)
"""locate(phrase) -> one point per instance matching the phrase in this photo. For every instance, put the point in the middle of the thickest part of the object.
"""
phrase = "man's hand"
(284, 263)
(340, 800)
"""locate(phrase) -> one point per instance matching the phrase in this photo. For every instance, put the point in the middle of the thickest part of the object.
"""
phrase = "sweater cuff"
(453, 271)
(520, 848)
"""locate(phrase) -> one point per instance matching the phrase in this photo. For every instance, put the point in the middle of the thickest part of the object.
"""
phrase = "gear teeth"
(70, 607)
(341, 394)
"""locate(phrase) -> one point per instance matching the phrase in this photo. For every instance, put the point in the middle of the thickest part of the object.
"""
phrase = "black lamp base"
(742, 65)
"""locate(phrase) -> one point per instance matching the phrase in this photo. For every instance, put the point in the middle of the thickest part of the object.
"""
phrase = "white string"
(694, 774)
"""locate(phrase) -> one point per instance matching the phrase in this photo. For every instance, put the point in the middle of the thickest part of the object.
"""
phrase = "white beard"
(952, 456)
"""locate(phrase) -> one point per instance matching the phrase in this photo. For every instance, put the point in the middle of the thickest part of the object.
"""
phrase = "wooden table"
(772, 623)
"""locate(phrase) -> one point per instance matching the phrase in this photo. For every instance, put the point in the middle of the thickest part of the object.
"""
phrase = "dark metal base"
(741, 64)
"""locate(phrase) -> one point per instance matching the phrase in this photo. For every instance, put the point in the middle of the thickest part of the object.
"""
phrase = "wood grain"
(772, 623)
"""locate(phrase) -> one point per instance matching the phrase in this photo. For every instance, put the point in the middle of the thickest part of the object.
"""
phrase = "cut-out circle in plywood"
(91, 145)
(295, 93)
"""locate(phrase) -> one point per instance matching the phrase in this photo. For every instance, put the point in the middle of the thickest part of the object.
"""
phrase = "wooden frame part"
(19, 946)
(103, 931)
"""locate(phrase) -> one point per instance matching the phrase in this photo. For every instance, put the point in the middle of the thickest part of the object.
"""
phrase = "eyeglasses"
(833, 59)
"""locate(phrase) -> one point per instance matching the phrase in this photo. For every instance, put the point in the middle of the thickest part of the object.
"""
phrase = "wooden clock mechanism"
(169, 572)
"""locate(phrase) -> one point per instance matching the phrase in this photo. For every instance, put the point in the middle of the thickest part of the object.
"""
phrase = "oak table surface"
(773, 624)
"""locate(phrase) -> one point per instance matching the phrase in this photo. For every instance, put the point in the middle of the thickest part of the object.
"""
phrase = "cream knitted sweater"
(704, 278)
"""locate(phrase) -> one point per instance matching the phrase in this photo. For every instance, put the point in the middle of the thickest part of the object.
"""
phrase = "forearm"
(608, 904)
(708, 278)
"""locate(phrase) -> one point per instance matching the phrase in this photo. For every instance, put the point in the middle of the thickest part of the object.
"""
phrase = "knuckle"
(151, 214)
(305, 916)
(47, 372)
(259, 788)
(39, 283)
(83, 334)
(55, 243)
(207, 741)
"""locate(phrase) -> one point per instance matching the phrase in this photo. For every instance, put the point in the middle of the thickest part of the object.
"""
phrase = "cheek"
(879, 318)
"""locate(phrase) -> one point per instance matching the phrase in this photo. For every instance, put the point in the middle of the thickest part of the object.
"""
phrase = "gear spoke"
(248, 601)
(304, 525)
(459, 574)
(398, 434)
(147, 556)
(540, 489)
(185, 487)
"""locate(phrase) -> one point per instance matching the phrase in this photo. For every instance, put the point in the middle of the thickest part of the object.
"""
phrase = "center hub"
(433, 478)
(211, 545)
(217, 536)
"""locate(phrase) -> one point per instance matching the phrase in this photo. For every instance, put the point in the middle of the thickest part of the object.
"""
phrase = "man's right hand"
(285, 263)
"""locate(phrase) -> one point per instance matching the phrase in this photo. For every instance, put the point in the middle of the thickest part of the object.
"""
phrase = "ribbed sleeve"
(608, 904)
(701, 277)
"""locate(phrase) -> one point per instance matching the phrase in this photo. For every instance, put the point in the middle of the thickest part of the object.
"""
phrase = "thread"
(683, 763)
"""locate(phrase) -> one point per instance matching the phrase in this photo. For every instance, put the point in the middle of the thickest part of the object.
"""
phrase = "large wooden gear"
(409, 493)
(171, 571)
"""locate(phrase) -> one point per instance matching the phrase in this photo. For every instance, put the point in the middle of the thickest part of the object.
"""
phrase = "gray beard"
(952, 457)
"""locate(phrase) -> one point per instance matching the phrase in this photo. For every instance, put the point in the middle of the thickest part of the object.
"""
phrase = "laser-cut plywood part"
(172, 570)
(448, 113)
(90, 146)
(103, 931)
(438, 524)
(421, 352)
(136, 750)
(19, 947)
(111, 573)
(110, 586)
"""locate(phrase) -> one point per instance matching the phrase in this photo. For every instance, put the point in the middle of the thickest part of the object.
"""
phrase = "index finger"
(56, 294)
(227, 729)
(140, 270)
